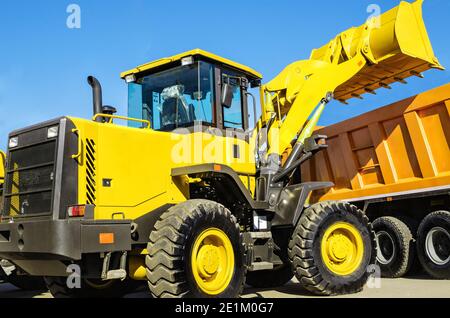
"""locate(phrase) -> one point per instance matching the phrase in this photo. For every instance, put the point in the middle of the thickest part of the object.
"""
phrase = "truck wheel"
(433, 244)
(26, 282)
(279, 276)
(90, 288)
(331, 248)
(195, 251)
(395, 253)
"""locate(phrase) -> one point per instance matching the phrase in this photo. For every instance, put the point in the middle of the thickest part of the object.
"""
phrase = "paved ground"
(422, 287)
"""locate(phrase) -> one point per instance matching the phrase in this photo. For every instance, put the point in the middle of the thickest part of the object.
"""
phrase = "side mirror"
(108, 110)
(227, 95)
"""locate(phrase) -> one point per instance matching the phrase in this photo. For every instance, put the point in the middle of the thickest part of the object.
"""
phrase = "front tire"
(26, 282)
(196, 251)
(433, 244)
(331, 248)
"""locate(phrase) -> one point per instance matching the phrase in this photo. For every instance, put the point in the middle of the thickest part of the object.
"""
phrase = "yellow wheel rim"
(342, 248)
(212, 261)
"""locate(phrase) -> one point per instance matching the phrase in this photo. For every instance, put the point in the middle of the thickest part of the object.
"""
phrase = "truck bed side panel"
(397, 149)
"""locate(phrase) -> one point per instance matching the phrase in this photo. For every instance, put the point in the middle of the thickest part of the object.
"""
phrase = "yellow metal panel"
(178, 57)
(383, 154)
(401, 149)
(352, 169)
(436, 124)
(139, 161)
(2, 167)
(339, 176)
(421, 145)
(410, 137)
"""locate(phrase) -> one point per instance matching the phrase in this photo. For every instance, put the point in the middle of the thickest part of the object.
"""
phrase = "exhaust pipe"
(96, 96)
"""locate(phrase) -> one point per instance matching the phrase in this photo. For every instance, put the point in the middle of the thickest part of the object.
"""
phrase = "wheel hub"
(342, 248)
(212, 261)
(339, 248)
(437, 246)
(386, 248)
(208, 260)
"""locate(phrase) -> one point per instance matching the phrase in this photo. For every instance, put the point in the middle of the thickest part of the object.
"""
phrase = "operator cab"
(190, 89)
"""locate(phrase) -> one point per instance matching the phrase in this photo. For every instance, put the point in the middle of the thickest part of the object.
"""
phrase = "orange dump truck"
(394, 162)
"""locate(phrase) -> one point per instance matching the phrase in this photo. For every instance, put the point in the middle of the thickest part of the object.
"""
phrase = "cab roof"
(196, 52)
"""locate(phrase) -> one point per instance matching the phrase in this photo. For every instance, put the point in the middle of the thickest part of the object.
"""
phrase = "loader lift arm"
(384, 50)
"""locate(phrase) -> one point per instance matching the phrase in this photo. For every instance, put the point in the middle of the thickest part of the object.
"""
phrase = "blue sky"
(44, 65)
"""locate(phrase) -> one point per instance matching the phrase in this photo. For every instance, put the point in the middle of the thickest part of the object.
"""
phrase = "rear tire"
(353, 244)
(26, 282)
(395, 253)
(191, 245)
(270, 278)
(433, 244)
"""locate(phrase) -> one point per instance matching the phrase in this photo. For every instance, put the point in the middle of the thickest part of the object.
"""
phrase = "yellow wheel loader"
(188, 197)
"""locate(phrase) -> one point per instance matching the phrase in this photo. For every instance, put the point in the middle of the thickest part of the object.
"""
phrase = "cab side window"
(232, 114)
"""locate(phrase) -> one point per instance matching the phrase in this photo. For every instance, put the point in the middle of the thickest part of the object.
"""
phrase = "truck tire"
(270, 278)
(26, 282)
(395, 253)
(196, 251)
(89, 288)
(331, 248)
(433, 244)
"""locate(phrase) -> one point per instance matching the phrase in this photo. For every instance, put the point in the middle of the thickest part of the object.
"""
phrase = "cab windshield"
(179, 97)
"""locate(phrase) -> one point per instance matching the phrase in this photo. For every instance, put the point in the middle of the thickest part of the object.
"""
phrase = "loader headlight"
(130, 78)
(52, 132)
(13, 142)
(189, 60)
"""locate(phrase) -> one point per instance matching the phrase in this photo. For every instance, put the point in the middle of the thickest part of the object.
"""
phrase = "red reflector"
(76, 210)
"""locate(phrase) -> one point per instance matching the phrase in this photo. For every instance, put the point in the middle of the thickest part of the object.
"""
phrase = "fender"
(226, 176)
(291, 202)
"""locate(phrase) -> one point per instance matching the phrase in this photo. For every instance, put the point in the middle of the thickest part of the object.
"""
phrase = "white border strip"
(395, 194)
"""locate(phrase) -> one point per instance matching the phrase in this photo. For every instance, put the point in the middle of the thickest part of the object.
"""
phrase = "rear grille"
(29, 179)
(90, 171)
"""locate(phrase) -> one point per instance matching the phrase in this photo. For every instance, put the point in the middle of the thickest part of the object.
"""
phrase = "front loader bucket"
(397, 46)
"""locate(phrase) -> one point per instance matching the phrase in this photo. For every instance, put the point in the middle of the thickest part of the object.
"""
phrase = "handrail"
(111, 117)
(77, 156)
(2, 175)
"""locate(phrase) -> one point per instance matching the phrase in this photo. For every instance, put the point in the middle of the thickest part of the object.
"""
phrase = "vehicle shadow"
(10, 291)
(292, 288)
(421, 276)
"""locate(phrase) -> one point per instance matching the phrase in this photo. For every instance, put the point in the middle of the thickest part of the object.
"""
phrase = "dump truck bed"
(400, 149)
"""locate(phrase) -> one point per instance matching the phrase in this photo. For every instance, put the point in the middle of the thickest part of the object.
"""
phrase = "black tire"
(169, 271)
(305, 248)
(26, 282)
(395, 253)
(433, 244)
(89, 288)
(413, 225)
(270, 278)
